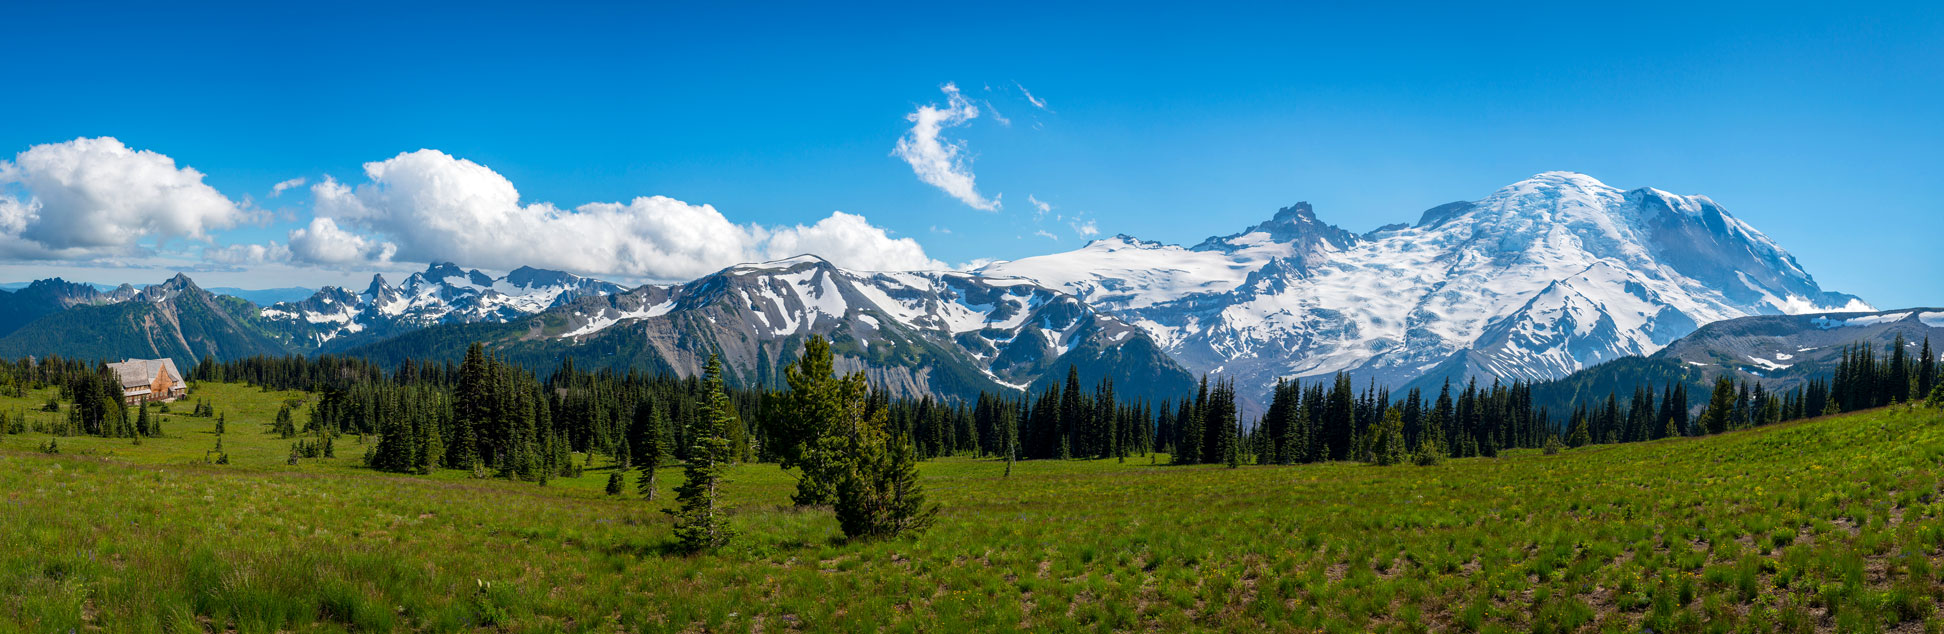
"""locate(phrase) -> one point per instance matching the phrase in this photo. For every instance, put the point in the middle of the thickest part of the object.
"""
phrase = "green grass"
(1829, 524)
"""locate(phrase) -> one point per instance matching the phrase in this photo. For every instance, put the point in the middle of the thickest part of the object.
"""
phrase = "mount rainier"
(1539, 279)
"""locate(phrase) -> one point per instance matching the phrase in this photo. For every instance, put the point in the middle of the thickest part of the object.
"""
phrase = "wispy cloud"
(1036, 101)
(279, 188)
(1046, 234)
(996, 116)
(1040, 207)
(1084, 228)
(937, 161)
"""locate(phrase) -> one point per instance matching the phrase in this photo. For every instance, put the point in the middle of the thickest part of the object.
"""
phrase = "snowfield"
(1539, 279)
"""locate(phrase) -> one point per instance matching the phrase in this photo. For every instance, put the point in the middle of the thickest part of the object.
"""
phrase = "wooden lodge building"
(149, 380)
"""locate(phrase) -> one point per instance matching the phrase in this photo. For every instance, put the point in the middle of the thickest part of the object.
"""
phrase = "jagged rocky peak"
(529, 277)
(179, 281)
(449, 274)
(1295, 225)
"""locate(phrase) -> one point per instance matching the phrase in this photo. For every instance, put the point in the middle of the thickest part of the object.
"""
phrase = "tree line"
(494, 417)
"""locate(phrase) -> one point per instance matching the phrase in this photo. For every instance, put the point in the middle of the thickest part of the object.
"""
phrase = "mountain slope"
(44, 297)
(1542, 278)
(920, 333)
(1779, 351)
(175, 319)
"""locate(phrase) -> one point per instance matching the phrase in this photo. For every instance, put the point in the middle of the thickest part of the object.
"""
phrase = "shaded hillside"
(174, 319)
(45, 297)
(1780, 352)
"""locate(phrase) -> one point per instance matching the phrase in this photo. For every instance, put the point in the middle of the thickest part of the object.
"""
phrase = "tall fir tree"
(1188, 449)
(654, 447)
(1719, 416)
(1926, 368)
(700, 521)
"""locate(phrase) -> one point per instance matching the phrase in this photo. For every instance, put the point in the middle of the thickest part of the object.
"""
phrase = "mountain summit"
(1541, 278)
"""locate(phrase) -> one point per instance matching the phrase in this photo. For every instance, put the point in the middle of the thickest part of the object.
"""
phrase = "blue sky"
(1818, 126)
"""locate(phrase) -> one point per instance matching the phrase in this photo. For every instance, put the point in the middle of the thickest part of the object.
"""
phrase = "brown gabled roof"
(134, 372)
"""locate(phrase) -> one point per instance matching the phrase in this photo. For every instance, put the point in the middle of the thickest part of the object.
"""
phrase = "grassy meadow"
(1830, 524)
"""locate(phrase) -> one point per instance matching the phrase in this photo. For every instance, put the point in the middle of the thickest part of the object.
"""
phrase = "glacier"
(1536, 280)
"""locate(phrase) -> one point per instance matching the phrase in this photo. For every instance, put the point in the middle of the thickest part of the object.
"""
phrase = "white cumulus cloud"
(91, 198)
(849, 241)
(936, 161)
(428, 206)
(322, 242)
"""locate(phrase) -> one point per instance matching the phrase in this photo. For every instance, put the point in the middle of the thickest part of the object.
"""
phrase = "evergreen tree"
(1340, 420)
(470, 402)
(1073, 414)
(430, 447)
(880, 495)
(813, 432)
(654, 448)
(1188, 449)
(700, 524)
(1387, 439)
(1721, 407)
(1105, 419)
(616, 482)
(283, 425)
(1926, 368)
(1221, 420)
(1580, 434)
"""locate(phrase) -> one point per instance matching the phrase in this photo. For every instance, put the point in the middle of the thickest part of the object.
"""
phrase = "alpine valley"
(1539, 280)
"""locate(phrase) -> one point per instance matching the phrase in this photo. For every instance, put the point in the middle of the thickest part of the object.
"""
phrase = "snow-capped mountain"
(443, 293)
(914, 333)
(1537, 280)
